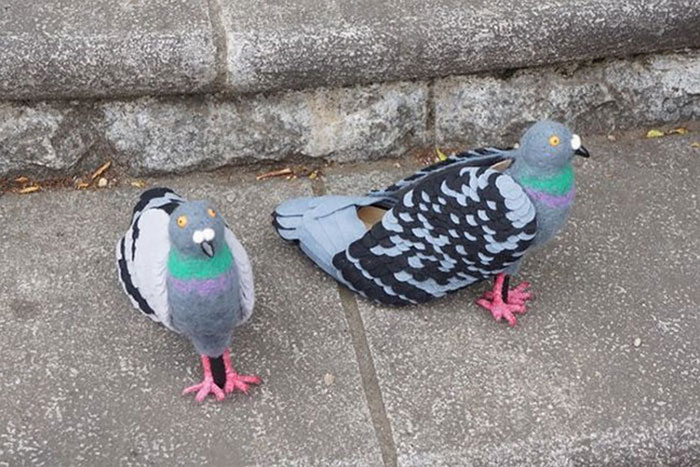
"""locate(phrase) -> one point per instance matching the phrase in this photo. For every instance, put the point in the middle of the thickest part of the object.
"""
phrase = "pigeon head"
(196, 229)
(549, 145)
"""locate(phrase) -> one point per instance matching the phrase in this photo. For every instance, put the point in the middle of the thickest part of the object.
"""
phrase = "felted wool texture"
(447, 226)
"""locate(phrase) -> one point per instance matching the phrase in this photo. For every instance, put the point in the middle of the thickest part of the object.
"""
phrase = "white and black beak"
(579, 150)
(203, 238)
(207, 248)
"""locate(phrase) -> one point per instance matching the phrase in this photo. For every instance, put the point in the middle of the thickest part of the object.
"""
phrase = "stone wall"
(147, 135)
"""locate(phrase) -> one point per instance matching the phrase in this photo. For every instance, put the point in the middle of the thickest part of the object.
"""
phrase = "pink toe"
(201, 395)
(520, 296)
(191, 389)
(250, 379)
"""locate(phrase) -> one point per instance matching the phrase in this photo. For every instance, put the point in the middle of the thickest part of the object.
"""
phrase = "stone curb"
(177, 134)
(63, 50)
(294, 44)
(116, 49)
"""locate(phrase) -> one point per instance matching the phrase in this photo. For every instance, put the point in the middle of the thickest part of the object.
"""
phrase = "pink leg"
(236, 381)
(207, 386)
(493, 301)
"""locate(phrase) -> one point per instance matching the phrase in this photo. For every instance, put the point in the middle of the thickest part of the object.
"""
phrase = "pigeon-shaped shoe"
(466, 219)
(182, 266)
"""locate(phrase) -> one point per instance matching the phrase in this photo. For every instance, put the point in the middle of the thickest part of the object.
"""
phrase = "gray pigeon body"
(171, 279)
(182, 266)
(450, 225)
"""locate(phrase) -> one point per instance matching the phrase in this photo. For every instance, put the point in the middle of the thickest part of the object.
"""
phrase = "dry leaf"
(696, 144)
(678, 131)
(138, 184)
(29, 189)
(655, 134)
(101, 170)
(440, 154)
(21, 179)
(82, 185)
(275, 173)
(313, 175)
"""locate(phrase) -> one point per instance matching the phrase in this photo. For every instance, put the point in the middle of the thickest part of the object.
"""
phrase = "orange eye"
(554, 140)
(211, 212)
(182, 222)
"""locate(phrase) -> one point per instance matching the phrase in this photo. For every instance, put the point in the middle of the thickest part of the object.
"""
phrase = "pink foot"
(492, 300)
(241, 382)
(234, 380)
(207, 386)
(516, 295)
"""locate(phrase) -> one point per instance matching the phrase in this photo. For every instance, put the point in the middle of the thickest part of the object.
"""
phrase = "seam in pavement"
(219, 31)
(430, 127)
(365, 363)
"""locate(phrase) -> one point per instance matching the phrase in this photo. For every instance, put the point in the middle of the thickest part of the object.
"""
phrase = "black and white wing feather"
(444, 233)
(481, 157)
(142, 254)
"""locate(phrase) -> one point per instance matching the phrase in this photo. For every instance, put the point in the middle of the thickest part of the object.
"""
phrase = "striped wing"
(474, 158)
(142, 254)
(245, 275)
(445, 233)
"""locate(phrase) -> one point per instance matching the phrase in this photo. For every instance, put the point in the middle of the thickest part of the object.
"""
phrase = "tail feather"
(322, 226)
(287, 227)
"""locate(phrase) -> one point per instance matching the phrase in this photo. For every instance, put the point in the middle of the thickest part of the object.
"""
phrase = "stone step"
(184, 133)
(61, 49)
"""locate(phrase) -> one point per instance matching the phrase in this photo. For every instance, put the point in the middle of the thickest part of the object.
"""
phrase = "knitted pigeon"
(469, 218)
(181, 266)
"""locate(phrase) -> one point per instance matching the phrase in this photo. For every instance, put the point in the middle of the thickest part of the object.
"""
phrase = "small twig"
(101, 170)
(29, 189)
(275, 173)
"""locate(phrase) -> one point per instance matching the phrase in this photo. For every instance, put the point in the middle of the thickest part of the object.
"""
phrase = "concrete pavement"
(603, 370)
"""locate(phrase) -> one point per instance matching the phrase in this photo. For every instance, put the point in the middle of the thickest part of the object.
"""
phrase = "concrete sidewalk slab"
(568, 385)
(104, 48)
(603, 370)
(296, 44)
(86, 380)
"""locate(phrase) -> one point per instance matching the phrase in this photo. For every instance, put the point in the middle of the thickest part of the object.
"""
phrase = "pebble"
(637, 342)
(102, 182)
(329, 379)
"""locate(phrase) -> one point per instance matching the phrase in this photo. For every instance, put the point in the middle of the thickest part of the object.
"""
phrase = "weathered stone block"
(163, 135)
(598, 98)
(111, 48)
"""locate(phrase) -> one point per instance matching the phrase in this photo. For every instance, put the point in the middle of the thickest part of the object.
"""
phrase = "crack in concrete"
(365, 363)
(368, 374)
(221, 44)
(430, 127)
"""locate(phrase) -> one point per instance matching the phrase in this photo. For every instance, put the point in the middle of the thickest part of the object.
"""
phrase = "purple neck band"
(204, 287)
(553, 201)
